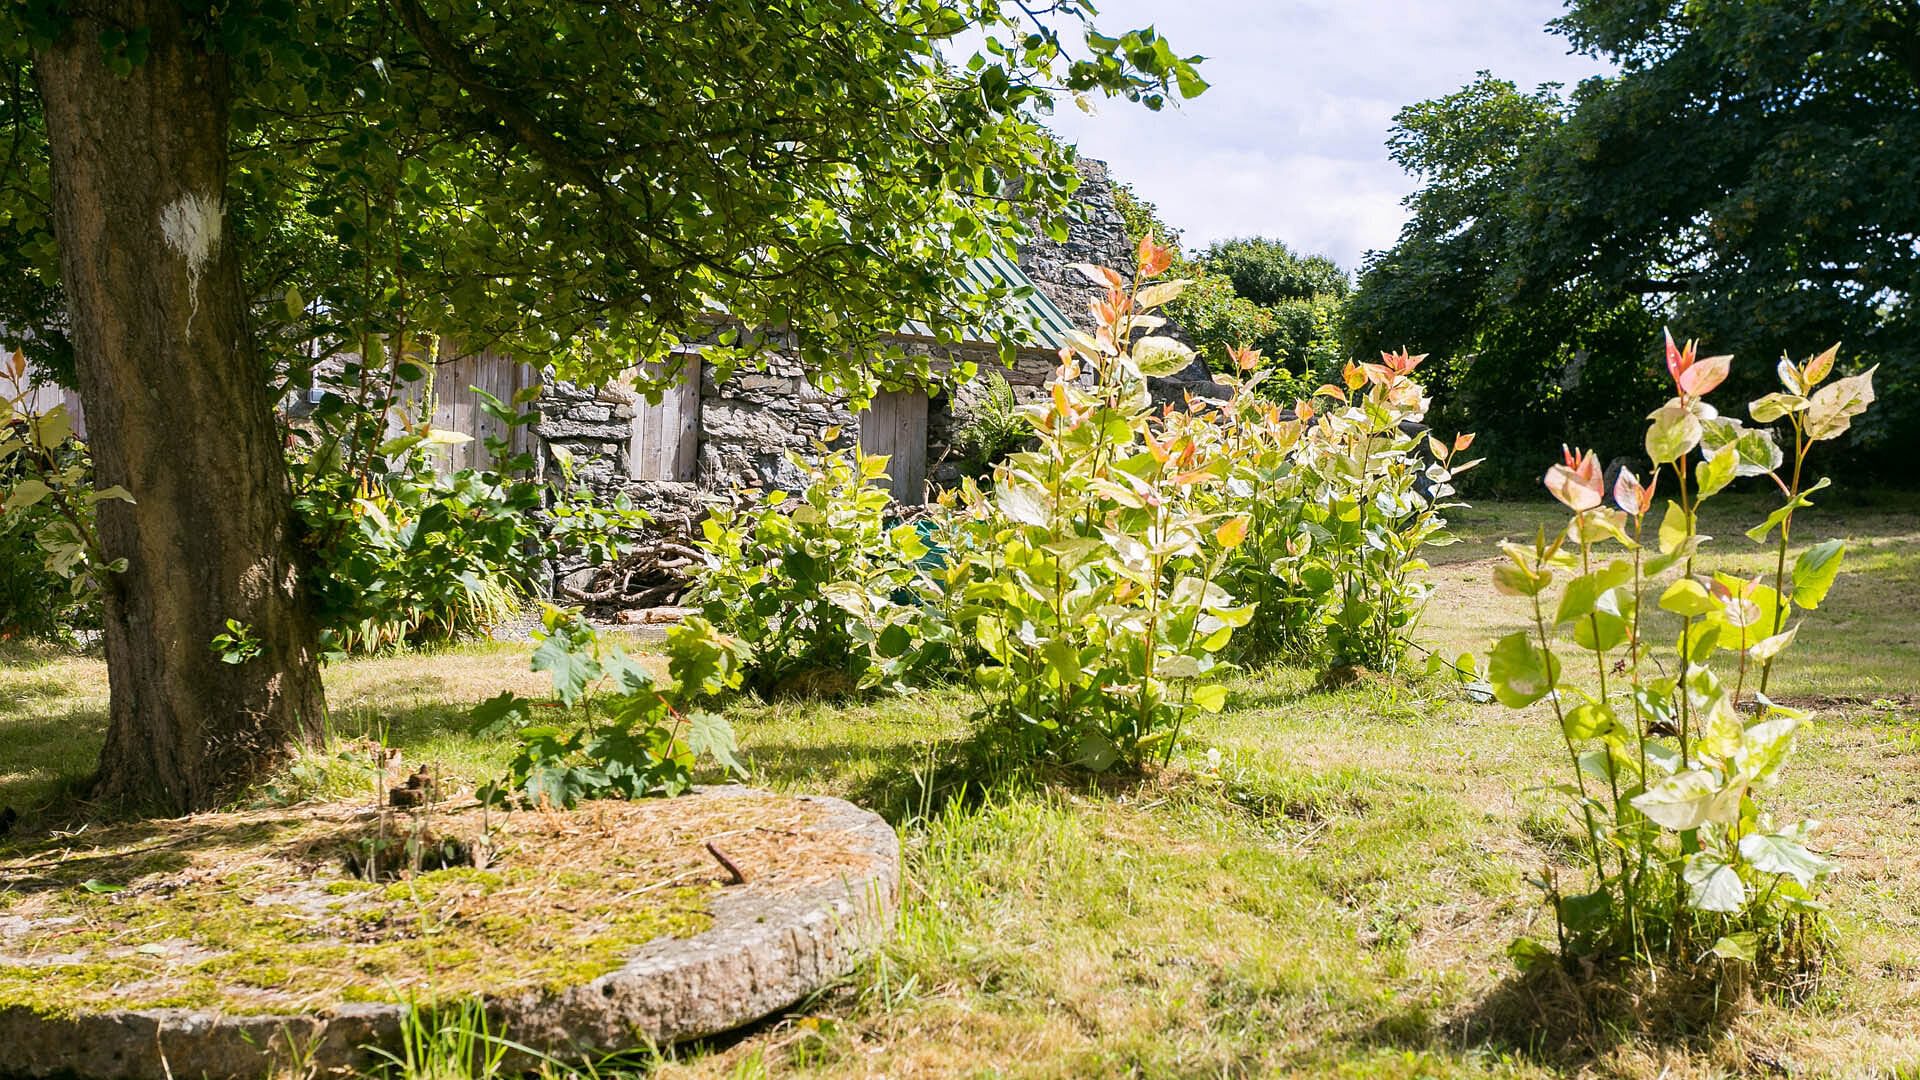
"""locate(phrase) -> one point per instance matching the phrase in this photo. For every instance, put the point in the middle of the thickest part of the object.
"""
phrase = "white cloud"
(1290, 140)
(1313, 201)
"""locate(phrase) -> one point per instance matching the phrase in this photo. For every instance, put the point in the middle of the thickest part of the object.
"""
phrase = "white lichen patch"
(191, 226)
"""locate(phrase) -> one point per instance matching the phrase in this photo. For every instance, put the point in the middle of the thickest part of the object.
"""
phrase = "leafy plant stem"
(1686, 626)
(1780, 599)
(1613, 782)
(1573, 753)
(1638, 933)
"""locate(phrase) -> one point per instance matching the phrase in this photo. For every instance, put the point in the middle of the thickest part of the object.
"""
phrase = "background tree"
(1301, 298)
(197, 191)
(1268, 272)
(1748, 176)
(1566, 367)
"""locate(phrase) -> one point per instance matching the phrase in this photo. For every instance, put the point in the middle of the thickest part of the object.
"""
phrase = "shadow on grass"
(24, 696)
(905, 759)
(122, 854)
(402, 729)
(1271, 692)
(1566, 1020)
(46, 759)
(31, 655)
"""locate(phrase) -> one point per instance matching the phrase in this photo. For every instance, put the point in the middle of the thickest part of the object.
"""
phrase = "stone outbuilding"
(709, 437)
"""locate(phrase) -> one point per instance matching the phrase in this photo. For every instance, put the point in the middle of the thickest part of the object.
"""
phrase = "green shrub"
(49, 548)
(413, 558)
(990, 427)
(36, 600)
(1116, 566)
(1669, 756)
(1342, 493)
(615, 733)
(400, 555)
(1091, 586)
(820, 591)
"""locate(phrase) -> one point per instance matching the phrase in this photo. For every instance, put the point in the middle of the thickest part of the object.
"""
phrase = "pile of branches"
(659, 568)
(653, 574)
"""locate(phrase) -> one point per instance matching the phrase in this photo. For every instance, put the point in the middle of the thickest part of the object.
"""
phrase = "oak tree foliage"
(1748, 175)
(581, 184)
(589, 183)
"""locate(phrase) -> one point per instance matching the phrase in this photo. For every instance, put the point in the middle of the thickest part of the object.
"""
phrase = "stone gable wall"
(1097, 235)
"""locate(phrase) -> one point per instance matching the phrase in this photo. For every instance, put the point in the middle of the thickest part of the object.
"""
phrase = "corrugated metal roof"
(1048, 322)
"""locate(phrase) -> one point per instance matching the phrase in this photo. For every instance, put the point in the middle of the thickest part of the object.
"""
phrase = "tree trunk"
(179, 413)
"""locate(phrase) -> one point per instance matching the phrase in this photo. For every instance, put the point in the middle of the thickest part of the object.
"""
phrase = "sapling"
(35, 445)
(1676, 838)
(1814, 414)
(1101, 620)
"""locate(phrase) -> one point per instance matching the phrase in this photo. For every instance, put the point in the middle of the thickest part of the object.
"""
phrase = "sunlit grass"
(1861, 645)
(1332, 893)
(53, 715)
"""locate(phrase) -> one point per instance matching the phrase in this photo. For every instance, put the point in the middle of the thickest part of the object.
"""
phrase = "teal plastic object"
(934, 560)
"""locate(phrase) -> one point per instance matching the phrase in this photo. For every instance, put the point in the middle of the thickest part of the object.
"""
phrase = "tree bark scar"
(191, 226)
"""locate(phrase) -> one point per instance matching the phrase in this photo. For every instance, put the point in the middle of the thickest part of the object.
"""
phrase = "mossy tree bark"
(179, 413)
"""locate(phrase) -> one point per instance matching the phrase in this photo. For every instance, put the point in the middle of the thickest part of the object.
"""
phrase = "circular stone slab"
(706, 954)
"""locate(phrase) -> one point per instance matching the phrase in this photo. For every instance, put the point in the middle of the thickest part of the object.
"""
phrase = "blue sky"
(1290, 140)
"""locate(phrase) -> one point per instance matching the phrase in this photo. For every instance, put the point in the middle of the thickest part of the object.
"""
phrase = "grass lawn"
(1335, 898)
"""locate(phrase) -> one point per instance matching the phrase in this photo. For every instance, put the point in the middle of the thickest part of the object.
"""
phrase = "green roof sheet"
(1049, 323)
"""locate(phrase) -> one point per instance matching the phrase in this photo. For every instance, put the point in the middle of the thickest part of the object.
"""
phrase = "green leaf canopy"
(590, 184)
(1748, 175)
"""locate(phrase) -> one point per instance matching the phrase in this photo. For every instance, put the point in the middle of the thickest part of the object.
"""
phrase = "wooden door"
(895, 425)
(666, 437)
(457, 408)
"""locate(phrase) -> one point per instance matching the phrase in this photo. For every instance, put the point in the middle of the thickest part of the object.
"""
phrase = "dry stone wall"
(1096, 235)
(750, 423)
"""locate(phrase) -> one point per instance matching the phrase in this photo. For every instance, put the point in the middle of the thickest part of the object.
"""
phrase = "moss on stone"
(257, 917)
(437, 883)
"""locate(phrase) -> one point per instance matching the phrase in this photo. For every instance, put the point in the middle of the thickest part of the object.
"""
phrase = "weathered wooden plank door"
(896, 425)
(666, 437)
(457, 408)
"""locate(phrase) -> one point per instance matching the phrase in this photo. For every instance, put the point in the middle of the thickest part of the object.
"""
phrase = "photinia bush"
(1669, 754)
(1342, 492)
(1093, 594)
(48, 500)
(1097, 590)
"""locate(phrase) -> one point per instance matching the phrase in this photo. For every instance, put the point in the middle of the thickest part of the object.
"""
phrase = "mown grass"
(1863, 644)
(1331, 894)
